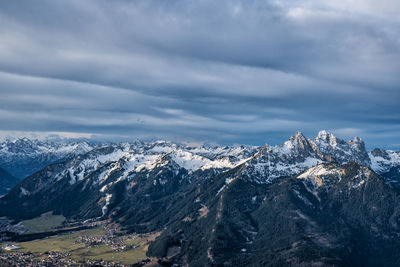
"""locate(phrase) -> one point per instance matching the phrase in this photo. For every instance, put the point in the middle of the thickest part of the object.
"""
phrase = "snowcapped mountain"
(330, 215)
(106, 165)
(96, 164)
(22, 157)
(351, 151)
(383, 160)
(230, 203)
(99, 166)
(299, 154)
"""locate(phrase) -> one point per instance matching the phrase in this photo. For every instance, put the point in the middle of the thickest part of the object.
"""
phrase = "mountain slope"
(341, 215)
(22, 157)
(88, 180)
(6, 181)
(321, 201)
(100, 174)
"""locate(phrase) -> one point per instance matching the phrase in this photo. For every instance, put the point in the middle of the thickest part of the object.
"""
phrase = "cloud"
(230, 71)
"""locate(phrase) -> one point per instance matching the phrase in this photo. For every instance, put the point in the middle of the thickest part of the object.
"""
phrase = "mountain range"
(321, 201)
(23, 157)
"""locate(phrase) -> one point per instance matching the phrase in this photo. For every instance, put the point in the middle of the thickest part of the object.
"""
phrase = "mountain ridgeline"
(24, 156)
(321, 201)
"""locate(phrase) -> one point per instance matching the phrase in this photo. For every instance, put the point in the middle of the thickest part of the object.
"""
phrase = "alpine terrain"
(307, 202)
(22, 157)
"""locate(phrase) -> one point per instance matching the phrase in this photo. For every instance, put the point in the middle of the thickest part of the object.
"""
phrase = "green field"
(44, 223)
(67, 244)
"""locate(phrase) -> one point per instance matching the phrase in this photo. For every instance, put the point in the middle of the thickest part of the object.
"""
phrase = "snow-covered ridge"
(162, 165)
(30, 147)
(260, 165)
(146, 157)
(319, 174)
(328, 148)
(319, 170)
(107, 165)
(299, 154)
(383, 160)
(103, 164)
(327, 175)
(23, 157)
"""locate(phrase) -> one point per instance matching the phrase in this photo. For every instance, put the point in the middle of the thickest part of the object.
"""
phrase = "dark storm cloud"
(219, 71)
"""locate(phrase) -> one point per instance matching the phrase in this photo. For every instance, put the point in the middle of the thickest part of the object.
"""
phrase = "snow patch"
(105, 207)
(24, 192)
(381, 165)
(317, 171)
(302, 198)
(227, 181)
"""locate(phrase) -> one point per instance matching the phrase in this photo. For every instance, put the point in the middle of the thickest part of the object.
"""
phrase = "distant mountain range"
(22, 157)
(321, 201)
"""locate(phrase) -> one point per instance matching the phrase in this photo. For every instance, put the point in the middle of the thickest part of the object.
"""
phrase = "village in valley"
(99, 244)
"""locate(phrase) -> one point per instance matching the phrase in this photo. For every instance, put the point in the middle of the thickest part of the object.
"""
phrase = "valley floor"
(101, 245)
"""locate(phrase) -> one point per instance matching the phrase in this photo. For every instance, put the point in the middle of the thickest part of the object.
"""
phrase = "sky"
(226, 72)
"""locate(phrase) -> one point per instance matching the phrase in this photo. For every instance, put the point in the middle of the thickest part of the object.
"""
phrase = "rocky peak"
(358, 143)
(323, 135)
(298, 144)
(343, 152)
(327, 138)
(302, 142)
